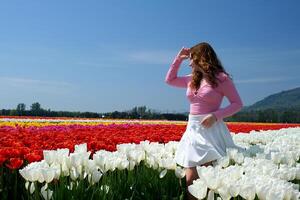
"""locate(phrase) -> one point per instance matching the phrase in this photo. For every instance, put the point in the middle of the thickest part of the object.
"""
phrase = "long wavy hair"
(207, 64)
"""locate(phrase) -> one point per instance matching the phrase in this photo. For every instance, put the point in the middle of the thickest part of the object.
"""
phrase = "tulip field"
(72, 158)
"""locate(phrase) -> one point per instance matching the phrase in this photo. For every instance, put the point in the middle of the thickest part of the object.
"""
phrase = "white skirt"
(200, 145)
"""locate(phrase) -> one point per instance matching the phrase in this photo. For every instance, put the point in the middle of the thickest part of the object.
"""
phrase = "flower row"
(268, 168)
(26, 143)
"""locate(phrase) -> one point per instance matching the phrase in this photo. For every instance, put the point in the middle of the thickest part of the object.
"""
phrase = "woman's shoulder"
(222, 76)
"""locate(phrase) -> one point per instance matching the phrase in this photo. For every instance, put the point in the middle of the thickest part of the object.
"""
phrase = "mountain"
(278, 101)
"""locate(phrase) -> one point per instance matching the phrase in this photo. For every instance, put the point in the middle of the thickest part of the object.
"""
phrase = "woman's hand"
(208, 120)
(184, 53)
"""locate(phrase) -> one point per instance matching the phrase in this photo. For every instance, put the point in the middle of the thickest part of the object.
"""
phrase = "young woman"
(207, 136)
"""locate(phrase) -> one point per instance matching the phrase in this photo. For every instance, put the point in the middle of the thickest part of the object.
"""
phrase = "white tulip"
(46, 192)
(223, 161)
(224, 192)
(49, 156)
(211, 195)
(163, 173)
(295, 195)
(288, 194)
(38, 173)
(81, 148)
(239, 158)
(73, 174)
(275, 195)
(210, 176)
(150, 162)
(27, 185)
(125, 148)
(105, 188)
(179, 172)
(32, 188)
(231, 152)
(276, 157)
(57, 169)
(131, 165)
(96, 175)
(61, 155)
(198, 189)
(24, 173)
(171, 147)
(70, 187)
(247, 191)
(111, 163)
(64, 169)
(234, 190)
(136, 155)
(168, 163)
(260, 156)
(48, 174)
(100, 157)
(76, 159)
(32, 171)
(91, 166)
(123, 164)
(298, 173)
(262, 191)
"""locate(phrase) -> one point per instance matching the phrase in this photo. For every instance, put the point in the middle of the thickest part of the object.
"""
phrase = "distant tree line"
(138, 112)
(288, 115)
(283, 115)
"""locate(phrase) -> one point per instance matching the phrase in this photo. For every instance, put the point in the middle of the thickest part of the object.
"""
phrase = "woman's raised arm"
(171, 77)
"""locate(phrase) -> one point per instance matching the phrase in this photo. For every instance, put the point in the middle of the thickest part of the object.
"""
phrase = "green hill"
(289, 99)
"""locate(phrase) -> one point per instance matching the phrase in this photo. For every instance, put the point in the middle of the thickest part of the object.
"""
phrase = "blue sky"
(102, 56)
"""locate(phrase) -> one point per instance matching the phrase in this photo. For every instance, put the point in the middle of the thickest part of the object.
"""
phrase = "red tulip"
(2, 160)
(32, 157)
(14, 163)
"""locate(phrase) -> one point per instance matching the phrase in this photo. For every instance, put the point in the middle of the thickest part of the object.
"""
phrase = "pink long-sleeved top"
(208, 99)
